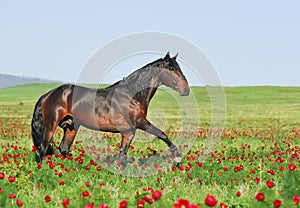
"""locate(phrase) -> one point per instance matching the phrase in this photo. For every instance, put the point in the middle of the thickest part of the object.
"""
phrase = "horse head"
(172, 76)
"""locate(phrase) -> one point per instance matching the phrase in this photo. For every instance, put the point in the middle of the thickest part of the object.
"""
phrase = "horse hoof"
(178, 160)
(120, 165)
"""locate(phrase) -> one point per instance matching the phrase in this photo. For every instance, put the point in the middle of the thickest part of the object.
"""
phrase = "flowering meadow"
(255, 163)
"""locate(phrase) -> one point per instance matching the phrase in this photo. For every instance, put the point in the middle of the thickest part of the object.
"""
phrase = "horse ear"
(167, 57)
(175, 56)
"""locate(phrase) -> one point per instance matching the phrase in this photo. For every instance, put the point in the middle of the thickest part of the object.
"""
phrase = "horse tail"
(37, 127)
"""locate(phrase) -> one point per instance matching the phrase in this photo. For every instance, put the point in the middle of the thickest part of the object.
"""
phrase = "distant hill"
(7, 80)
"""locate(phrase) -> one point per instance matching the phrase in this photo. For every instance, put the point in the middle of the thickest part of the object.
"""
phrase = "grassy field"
(255, 163)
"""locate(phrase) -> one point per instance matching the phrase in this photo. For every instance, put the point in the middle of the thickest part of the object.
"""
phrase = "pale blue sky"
(248, 42)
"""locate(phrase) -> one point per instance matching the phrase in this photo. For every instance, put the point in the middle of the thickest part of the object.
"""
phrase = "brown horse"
(119, 108)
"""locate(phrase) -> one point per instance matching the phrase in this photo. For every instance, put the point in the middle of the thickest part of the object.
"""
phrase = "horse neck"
(146, 84)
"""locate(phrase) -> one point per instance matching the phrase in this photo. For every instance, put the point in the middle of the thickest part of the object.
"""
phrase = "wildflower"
(123, 204)
(292, 166)
(90, 205)
(140, 204)
(277, 203)
(147, 199)
(66, 202)
(2, 175)
(260, 197)
(181, 203)
(85, 194)
(156, 195)
(296, 199)
(19, 203)
(211, 201)
(47, 198)
(270, 184)
(11, 179)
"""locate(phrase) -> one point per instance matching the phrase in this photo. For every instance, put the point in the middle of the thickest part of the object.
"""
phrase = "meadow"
(255, 163)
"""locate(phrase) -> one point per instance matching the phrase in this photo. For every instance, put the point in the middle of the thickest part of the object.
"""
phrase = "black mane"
(139, 76)
(139, 80)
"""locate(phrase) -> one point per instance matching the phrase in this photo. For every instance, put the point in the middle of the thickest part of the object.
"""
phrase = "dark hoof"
(123, 160)
(37, 158)
(50, 150)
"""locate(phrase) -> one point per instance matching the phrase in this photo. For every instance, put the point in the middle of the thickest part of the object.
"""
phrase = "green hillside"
(241, 102)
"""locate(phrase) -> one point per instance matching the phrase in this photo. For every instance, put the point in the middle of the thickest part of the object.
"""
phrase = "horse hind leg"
(125, 143)
(46, 148)
(70, 130)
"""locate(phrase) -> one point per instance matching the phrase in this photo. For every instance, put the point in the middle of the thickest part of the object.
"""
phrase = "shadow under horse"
(119, 108)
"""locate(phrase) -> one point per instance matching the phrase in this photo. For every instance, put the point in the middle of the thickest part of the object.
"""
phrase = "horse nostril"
(186, 91)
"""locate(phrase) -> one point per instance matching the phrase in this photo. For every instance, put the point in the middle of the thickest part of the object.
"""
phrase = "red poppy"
(270, 184)
(33, 148)
(292, 166)
(11, 179)
(223, 205)
(260, 197)
(2, 175)
(85, 194)
(90, 205)
(277, 203)
(140, 204)
(47, 198)
(103, 206)
(123, 204)
(181, 203)
(147, 199)
(211, 201)
(12, 196)
(296, 199)
(61, 183)
(66, 202)
(156, 195)
(19, 203)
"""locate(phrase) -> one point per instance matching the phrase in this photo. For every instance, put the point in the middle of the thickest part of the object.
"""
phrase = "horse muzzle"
(185, 91)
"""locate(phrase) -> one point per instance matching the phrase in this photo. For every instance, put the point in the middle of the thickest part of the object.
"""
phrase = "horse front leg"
(70, 129)
(145, 125)
(125, 144)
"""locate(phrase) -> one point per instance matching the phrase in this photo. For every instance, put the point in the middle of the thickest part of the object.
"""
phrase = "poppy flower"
(140, 204)
(123, 204)
(66, 202)
(277, 203)
(223, 205)
(181, 203)
(296, 199)
(292, 166)
(85, 194)
(19, 203)
(156, 195)
(89, 205)
(47, 198)
(211, 201)
(103, 206)
(147, 199)
(260, 197)
(270, 184)
(2, 175)
(11, 179)
(12, 196)
(61, 183)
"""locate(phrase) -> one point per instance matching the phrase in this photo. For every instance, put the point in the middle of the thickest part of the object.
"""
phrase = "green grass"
(261, 134)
